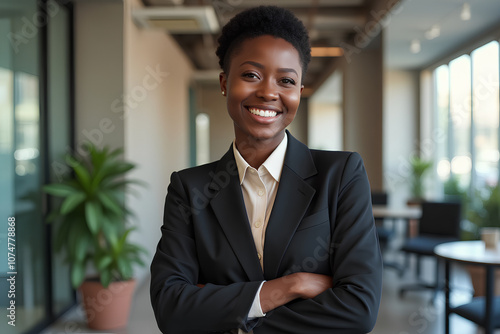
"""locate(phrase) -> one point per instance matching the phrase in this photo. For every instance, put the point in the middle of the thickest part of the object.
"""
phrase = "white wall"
(155, 121)
(401, 105)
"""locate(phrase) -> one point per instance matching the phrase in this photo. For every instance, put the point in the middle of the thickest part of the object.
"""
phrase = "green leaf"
(72, 202)
(105, 278)
(52, 217)
(111, 203)
(61, 235)
(124, 268)
(59, 189)
(77, 274)
(103, 262)
(93, 215)
(111, 232)
(79, 241)
(82, 246)
(82, 174)
(98, 157)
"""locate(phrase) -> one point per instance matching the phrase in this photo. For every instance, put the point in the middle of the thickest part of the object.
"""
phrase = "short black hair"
(264, 20)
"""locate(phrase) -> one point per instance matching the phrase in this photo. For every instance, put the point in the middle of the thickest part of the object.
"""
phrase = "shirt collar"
(273, 164)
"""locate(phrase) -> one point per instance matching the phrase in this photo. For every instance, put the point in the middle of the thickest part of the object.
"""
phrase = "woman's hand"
(282, 290)
(309, 285)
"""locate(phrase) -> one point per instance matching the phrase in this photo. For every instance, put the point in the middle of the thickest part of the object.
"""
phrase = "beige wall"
(401, 105)
(98, 71)
(209, 100)
(298, 128)
(363, 82)
(156, 120)
(132, 92)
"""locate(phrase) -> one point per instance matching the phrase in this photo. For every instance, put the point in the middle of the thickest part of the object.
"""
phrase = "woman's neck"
(255, 151)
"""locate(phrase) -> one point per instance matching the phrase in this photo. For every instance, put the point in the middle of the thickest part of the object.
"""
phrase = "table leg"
(447, 296)
(488, 323)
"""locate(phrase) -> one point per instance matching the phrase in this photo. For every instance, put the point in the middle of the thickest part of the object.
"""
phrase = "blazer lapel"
(292, 200)
(229, 208)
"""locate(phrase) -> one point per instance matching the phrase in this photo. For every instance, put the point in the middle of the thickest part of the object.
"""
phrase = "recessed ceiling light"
(327, 52)
(465, 13)
(415, 46)
(433, 32)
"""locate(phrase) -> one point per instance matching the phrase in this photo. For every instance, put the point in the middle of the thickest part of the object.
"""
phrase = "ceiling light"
(433, 32)
(415, 46)
(327, 52)
(465, 13)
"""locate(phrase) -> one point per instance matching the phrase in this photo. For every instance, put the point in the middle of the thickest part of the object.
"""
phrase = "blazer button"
(260, 192)
(258, 224)
(259, 256)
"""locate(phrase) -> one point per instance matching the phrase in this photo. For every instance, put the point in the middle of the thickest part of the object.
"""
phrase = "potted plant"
(419, 167)
(91, 230)
(483, 210)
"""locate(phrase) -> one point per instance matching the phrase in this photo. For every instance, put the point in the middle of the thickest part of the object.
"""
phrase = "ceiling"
(416, 17)
(334, 22)
(330, 22)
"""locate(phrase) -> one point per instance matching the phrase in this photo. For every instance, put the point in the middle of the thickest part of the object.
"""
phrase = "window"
(485, 78)
(467, 114)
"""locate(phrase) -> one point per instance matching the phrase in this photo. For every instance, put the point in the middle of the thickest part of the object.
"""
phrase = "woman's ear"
(223, 82)
(301, 89)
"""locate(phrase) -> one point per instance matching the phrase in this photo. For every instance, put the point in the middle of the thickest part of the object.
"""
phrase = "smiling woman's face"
(263, 88)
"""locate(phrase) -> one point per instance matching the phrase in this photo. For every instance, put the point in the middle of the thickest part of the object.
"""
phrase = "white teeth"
(263, 113)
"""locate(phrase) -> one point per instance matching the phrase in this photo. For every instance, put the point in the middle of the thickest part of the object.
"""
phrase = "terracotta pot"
(107, 308)
(478, 278)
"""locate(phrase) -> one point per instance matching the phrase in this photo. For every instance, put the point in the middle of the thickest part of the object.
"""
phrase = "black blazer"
(321, 222)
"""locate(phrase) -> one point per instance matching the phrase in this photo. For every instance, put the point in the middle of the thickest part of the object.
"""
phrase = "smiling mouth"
(262, 112)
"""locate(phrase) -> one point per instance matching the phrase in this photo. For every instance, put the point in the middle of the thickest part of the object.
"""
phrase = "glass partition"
(34, 129)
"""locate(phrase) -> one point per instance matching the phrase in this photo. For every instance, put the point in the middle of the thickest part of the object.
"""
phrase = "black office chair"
(440, 223)
(385, 233)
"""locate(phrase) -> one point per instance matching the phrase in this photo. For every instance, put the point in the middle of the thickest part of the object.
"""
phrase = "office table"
(484, 311)
(405, 214)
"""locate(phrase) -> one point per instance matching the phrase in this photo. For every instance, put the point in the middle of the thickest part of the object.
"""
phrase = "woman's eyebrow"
(259, 65)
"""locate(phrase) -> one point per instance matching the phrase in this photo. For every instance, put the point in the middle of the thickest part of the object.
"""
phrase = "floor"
(412, 314)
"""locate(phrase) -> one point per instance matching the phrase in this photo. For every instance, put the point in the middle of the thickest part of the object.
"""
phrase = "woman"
(274, 237)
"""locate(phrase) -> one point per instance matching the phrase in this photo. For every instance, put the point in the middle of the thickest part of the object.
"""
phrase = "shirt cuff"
(256, 309)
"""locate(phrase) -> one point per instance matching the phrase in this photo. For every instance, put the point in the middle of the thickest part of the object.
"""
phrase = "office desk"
(481, 310)
(405, 213)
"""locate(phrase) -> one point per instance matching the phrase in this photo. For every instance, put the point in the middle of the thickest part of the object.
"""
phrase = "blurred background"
(403, 83)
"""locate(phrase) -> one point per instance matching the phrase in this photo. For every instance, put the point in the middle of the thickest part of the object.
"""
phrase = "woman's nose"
(268, 91)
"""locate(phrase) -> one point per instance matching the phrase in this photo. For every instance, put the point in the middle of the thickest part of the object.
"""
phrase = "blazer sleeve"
(179, 305)
(351, 306)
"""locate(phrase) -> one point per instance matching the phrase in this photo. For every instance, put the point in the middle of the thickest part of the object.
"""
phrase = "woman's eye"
(288, 81)
(250, 75)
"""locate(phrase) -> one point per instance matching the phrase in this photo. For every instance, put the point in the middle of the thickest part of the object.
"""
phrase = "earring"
(223, 93)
